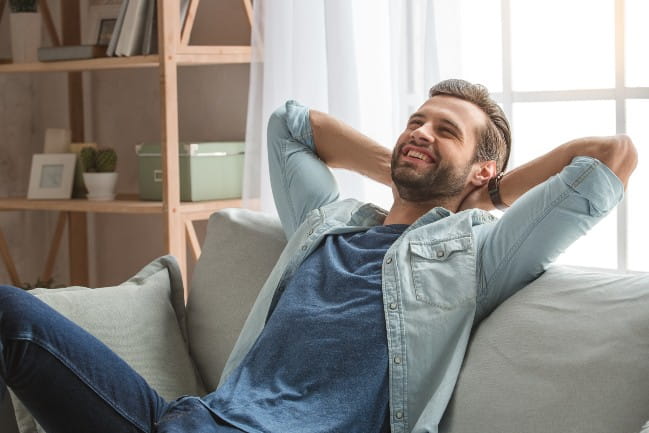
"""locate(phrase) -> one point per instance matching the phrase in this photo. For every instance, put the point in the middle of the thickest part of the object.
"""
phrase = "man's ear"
(482, 172)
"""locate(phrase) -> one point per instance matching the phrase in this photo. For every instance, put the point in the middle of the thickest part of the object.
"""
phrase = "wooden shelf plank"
(191, 55)
(127, 204)
(84, 65)
(203, 54)
(121, 205)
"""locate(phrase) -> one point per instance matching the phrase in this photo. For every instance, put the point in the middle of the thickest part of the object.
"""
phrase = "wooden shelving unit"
(174, 52)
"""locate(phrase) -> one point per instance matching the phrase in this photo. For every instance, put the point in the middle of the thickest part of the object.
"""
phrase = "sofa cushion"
(568, 353)
(142, 320)
(239, 251)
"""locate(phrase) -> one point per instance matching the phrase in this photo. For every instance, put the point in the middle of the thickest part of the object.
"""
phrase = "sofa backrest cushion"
(568, 353)
(239, 251)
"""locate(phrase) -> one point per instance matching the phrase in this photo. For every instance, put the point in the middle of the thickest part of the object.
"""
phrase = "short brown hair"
(494, 141)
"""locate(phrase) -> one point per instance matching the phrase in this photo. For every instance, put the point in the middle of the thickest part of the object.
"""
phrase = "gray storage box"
(208, 171)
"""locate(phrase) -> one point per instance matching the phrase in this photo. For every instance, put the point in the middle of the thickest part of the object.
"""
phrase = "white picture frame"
(51, 176)
(97, 23)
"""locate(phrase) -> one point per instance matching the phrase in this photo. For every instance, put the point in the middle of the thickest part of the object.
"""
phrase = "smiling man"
(363, 324)
(379, 305)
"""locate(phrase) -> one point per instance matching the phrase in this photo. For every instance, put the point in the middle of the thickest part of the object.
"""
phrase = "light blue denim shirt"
(443, 275)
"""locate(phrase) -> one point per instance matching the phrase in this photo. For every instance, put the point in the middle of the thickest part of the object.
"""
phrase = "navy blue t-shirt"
(321, 362)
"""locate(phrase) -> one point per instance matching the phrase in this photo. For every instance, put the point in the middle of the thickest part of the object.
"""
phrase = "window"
(561, 70)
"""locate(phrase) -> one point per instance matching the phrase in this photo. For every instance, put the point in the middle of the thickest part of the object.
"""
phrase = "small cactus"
(102, 160)
(106, 160)
(87, 157)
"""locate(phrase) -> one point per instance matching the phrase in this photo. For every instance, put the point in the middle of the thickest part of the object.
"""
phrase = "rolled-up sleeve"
(300, 181)
(540, 226)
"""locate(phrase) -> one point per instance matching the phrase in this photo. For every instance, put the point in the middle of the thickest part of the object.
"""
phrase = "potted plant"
(25, 24)
(99, 172)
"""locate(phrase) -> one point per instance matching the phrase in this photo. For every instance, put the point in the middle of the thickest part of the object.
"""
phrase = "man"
(363, 323)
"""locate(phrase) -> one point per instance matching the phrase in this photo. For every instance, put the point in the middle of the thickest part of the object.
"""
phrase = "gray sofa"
(568, 353)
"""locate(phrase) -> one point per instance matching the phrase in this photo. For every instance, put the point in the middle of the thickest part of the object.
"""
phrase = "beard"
(438, 183)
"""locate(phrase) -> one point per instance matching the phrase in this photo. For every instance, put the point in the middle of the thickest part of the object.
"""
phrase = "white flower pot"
(100, 186)
(25, 36)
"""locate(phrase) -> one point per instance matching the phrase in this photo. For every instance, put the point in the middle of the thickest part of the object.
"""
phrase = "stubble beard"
(437, 184)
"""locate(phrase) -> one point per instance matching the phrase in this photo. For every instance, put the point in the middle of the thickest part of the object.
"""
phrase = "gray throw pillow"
(142, 320)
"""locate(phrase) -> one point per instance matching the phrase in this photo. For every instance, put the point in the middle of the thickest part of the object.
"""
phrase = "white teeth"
(414, 154)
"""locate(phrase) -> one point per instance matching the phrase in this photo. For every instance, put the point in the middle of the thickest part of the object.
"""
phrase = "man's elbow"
(277, 126)
(620, 155)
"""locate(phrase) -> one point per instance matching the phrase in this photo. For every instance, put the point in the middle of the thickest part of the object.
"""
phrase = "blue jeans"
(69, 380)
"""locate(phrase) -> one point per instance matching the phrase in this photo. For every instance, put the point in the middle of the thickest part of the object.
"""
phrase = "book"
(150, 38)
(136, 29)
(71, 52)
(130, 38)
(184, 6)
(110, 51)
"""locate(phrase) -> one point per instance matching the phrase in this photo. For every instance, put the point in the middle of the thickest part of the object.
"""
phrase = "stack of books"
(136, 28)
(135, 33)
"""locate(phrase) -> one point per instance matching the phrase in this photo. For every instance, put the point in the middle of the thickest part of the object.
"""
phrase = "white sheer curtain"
(352, 59)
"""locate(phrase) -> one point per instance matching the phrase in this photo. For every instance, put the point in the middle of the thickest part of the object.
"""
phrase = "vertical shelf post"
(168, 41)
(77, 224)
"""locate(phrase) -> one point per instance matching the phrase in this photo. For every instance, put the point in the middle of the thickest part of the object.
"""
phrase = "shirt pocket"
(443, 272)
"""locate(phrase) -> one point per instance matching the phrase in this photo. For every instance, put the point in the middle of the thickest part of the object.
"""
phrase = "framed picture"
(100, 23)
(51, 176)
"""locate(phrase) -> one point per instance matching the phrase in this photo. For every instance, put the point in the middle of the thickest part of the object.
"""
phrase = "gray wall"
(124, 110)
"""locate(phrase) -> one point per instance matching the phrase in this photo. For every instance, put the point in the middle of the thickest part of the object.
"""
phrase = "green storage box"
(208, 171)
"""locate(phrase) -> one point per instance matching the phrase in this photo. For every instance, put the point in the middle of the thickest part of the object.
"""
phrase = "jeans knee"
(16, 307)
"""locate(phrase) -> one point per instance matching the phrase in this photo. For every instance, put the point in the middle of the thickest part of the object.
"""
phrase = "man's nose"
(422, 136)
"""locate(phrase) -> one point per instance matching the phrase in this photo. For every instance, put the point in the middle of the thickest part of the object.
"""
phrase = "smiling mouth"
(419, 154)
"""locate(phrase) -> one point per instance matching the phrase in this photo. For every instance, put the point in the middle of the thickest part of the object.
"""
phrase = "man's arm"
(549, 217)
(617, 152)
(301, 144)
(300, 181)
(341, 146)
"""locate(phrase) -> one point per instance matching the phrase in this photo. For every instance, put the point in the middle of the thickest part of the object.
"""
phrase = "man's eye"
(414, 124)
(446, 132)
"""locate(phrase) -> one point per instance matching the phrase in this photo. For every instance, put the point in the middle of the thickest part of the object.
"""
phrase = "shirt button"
(393, 306)
(440, 253)
(397, 360)
(389, 260)
(310, 232)
(398, 414)
(304, 247)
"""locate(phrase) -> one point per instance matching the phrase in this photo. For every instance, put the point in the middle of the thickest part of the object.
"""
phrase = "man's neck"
(407, 212)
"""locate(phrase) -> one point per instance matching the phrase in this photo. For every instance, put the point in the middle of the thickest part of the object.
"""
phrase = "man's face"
(433, 156)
